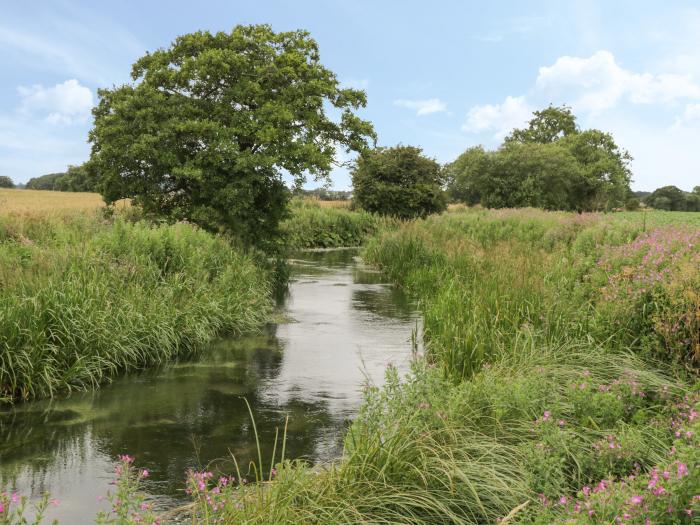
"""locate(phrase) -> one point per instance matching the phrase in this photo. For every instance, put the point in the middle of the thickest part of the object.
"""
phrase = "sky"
(441, 75)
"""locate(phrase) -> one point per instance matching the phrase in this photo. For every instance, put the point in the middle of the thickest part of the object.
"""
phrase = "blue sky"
(442, 75)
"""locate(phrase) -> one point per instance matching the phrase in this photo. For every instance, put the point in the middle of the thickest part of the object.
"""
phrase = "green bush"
(399, 182)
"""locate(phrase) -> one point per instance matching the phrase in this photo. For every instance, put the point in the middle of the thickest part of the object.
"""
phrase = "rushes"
(83, 300)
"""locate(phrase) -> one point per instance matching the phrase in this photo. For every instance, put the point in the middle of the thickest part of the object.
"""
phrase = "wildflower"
(15, 497)
(586, 490)
(658, 491)
(562, 422)
(55, 502)
(682, 470)
(144, 473)
(126, 458)
(562, 500)
(543, 499)
(636, 500)
(546, 415)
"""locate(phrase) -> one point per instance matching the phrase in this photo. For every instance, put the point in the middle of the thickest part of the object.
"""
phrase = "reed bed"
(83, 298)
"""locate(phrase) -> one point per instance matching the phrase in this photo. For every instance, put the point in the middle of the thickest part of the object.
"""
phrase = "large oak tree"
(211, 124)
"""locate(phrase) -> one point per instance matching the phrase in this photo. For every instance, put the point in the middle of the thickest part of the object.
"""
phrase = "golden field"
(21, 202)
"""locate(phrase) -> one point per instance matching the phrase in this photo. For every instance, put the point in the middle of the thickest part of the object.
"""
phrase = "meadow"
(559, 382)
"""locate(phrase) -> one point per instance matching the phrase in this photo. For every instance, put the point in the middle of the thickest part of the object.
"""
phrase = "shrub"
(399, 182)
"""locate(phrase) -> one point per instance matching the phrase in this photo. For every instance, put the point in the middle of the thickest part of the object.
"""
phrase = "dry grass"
(333, 204)
(32, 202)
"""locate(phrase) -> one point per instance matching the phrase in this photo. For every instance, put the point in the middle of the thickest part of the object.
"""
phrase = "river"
(340, 324)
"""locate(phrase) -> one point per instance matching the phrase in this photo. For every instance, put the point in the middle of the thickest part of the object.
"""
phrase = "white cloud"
(498, 118)
(64, 103)
(601, 93)
(598, 82)
(691, 115)
(423, 107)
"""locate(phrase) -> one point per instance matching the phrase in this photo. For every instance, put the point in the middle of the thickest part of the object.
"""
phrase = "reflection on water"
(345, 325)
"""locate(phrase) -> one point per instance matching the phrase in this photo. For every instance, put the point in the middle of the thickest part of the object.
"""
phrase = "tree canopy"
(671, 198)
(398, 181)
(209, 126)
(75, 178)
(6, 182)
(551, 164)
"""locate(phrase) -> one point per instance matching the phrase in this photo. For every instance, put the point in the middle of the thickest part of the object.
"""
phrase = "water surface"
(343, 325)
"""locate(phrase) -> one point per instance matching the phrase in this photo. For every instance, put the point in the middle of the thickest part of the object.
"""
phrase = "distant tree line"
(671, 198)
(551, 164)
(325, 194)
(6, 182)
(75, 178)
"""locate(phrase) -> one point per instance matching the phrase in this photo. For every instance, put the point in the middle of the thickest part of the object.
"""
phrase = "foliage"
(551, 164)
(547, 125)
(671, 198)
(13, 507)
(6, 182)
(312, 226)
(128, 505)
(399, 182)
(83, 299)
(463, 176)
(210, 123)
(76, 178)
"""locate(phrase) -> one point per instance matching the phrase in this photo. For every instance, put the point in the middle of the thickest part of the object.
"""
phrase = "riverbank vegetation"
(559, 384)
(84, 297)
(314, 225)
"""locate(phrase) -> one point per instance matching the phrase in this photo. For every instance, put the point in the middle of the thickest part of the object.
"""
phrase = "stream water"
(343, 325)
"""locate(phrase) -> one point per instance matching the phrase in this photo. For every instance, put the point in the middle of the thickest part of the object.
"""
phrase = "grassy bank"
(313, 224)
(83, 298)
(538, 401)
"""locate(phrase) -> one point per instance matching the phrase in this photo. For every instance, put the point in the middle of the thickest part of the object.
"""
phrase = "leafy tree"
(632, 204)
(6, 182)
(605, 168)
(593, 171)
(463, 176)
(668, 198)
(76, 178)
(547, 125)
(398, 181)
(530, 174)
(44, 182)
(210, 124)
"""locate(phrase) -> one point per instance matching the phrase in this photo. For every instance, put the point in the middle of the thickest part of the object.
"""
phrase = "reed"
(83, 299)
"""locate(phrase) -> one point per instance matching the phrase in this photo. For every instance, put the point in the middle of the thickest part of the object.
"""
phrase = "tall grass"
(313, 225)
(83, 299)
(525, 400)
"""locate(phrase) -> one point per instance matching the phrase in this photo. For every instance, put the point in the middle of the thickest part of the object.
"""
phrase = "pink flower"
(658, 491)
(144, 473)
(15, 497)
(562, 422)
(55, 502)
(546, 415)
(562, 500)
(682, 470)
(586, 490)
(636, 500)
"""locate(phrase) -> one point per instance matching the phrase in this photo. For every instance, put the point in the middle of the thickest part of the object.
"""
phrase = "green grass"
(83, 299)
(530, 390)
(312, 225)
